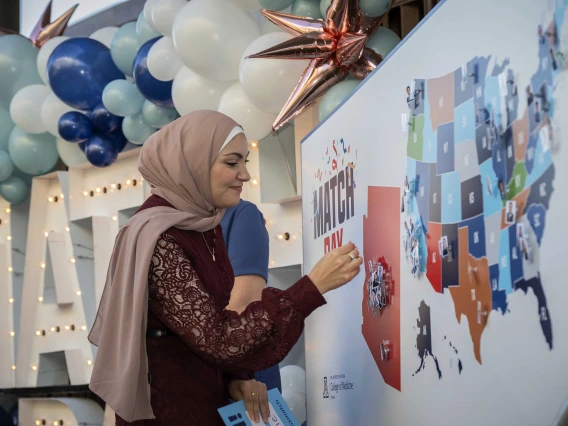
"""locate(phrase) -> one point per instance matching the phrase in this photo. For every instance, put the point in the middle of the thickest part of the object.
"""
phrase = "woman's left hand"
(255, 396)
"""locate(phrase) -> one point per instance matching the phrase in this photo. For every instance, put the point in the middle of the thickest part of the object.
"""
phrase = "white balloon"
(44, 54)
(212, 35)
(104, 35)
(51, 111)
(293, 378)
(148, 6)
(269, 82)
(164, 13)
(256, 123)
(163, 60)
(297, 403)
(192, 92)
(70, 153)
(25, 108)
(247, 5)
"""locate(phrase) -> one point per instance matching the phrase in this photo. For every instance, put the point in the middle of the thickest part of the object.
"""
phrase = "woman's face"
(229, 172)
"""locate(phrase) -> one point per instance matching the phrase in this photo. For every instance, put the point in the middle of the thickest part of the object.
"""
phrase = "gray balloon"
(18, 68)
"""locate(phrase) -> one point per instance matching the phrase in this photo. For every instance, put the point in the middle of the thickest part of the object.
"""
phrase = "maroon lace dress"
(188, 292)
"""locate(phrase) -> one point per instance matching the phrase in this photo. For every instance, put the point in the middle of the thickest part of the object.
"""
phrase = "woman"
(170, 279)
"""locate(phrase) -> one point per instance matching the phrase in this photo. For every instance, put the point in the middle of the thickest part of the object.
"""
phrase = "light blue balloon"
(14, 190)
(34, 154)
(144, 32)
(28, 179)
(18, 58)
(275, 4)
(124, 47)
(6, 166)
(374, 7)
(122, 98)
(335, 96)
(6, 127)
(135, 129)
(383, 41)
(324, 4)
(156, 116)
(309, 8)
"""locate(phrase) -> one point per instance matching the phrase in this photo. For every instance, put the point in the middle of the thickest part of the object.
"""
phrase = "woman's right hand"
(336, 268)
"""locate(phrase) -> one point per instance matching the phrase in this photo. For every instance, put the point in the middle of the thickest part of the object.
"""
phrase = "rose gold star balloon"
(335, 44)
(46, 30)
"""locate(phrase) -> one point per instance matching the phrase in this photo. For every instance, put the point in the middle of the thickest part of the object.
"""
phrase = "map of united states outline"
(469, 154)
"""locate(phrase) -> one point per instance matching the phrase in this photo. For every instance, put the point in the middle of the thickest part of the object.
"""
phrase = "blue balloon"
(78, 71)
(75, 127)
(119, 139)
(156, 91)
(34, 154)
(6, 166)
(14, 190)
(101, 150)
(103, 121)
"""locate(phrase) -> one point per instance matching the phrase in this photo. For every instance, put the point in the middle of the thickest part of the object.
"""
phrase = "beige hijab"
(176, 161)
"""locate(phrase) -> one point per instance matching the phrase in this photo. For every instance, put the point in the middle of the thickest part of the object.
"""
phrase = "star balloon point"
(45, 30)
(335, 45)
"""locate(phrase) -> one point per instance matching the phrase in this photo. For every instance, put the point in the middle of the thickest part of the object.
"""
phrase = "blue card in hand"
(280, 414)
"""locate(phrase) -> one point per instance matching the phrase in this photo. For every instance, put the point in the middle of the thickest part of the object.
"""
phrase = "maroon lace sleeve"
(256, 339)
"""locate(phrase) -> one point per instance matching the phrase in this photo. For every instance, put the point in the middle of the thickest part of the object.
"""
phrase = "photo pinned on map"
(530, 95)
(522, 240)
(510, 212)
(501, 186)
(410, 93)
(444, 247)
(546, 136)
(503, 81)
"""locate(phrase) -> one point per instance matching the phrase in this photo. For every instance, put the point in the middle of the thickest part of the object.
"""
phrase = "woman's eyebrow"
(235, 153)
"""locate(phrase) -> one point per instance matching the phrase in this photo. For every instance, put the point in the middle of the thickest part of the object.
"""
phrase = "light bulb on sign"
(52, 328)
(72, 260)
(84, 328)
(98, 190)
(61, 195)
(50, 199)
(67, 327)
(254, 181)
(10, 269)
(90, 362)
(38, 333)
(40, 299)
(113, 185)
(46, 234)
(285, 236)
(12, 333)
(8, 210)
(85, 193)
(11, 300)
(42, 265)
(67, 229)
(254, 144)
(79, 293)
(115, 218)
(128, 182)
(13, 367)
(9, 238)
(38, 422)
(34, 367)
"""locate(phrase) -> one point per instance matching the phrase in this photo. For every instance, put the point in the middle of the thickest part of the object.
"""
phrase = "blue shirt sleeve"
(247, 243)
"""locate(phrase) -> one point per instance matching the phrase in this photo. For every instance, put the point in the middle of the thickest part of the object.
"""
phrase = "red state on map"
(434, 263)
(381, 241)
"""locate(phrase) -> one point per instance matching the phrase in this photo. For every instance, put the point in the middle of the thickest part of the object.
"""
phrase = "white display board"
(445, 168)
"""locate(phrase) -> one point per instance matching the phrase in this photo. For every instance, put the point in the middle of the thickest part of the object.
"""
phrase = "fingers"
(256, 405)
(263, 401)
(345, 248)
(249, 402)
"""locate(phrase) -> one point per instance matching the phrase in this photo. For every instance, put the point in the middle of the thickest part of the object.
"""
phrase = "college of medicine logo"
(325, 391)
